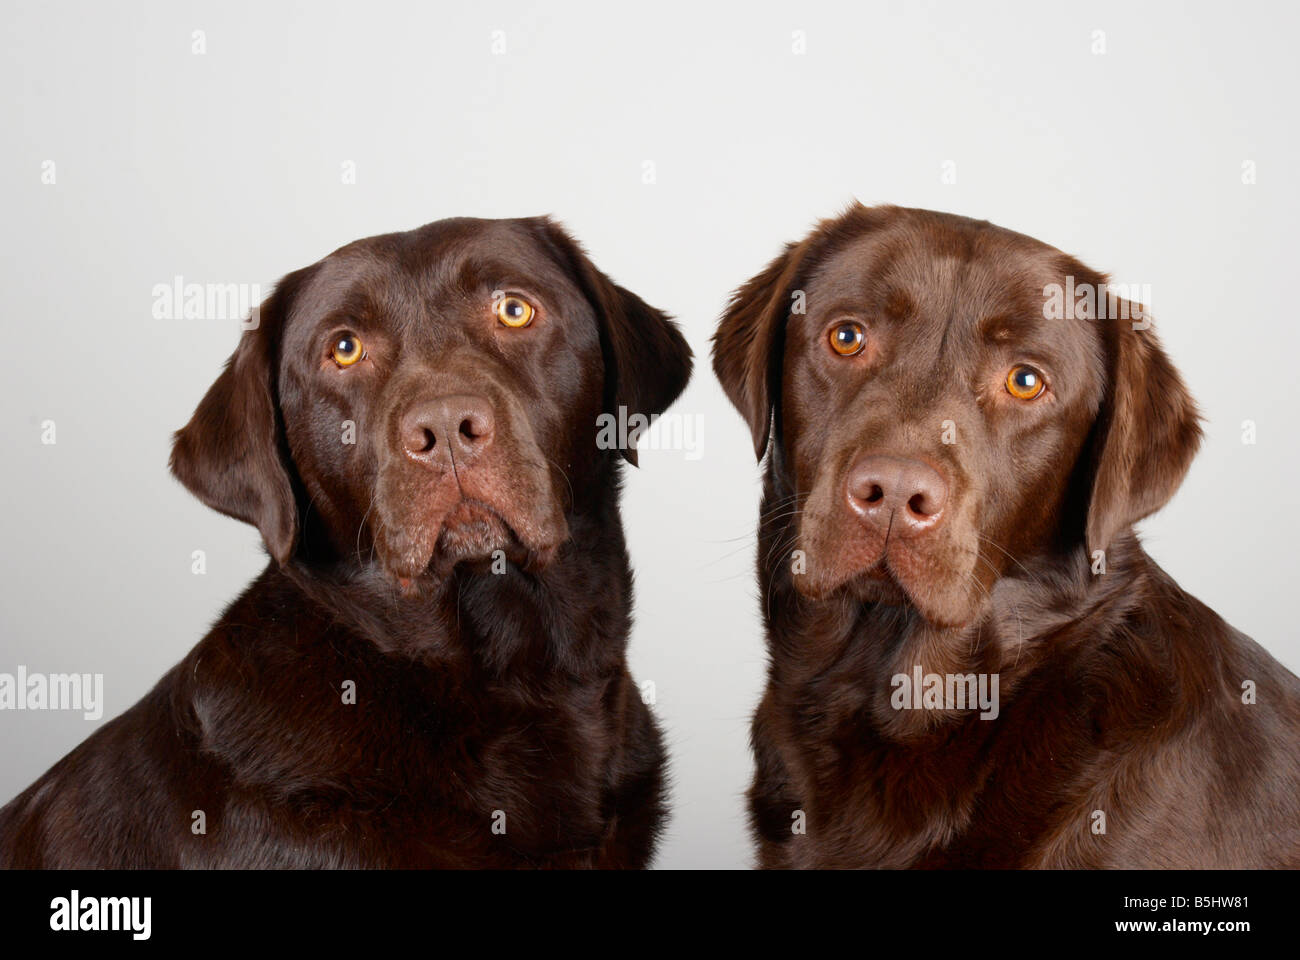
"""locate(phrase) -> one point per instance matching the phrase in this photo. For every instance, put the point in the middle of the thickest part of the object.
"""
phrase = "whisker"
(994, 543)
(356, 547)
(565, 475)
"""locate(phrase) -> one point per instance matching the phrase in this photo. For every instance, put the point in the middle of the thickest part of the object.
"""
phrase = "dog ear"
(748, 341)
(1147, 433)
(750, 338)
(647, 360)
(232, 454)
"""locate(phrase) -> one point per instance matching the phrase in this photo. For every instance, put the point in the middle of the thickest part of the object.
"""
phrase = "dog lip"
(879, 571)
(881, 579)
(885, 576)
(474, 529)
(471, 519)
(470, 510)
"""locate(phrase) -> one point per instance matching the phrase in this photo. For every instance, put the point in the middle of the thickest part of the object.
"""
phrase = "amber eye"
(847, 338)
(1024, 382)
(514, 311)
(347, 349)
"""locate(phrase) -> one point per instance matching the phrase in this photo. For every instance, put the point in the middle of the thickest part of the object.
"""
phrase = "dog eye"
(847, 338)
(347, 350)
(514, 311)
(1024, 382)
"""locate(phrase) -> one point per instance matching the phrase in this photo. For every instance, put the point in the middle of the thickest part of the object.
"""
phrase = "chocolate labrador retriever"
(431, 670)
(973, 661)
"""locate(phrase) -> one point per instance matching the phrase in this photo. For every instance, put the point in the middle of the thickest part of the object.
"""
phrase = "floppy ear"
(647, 360)
(231, 455)
(750, 337)
(748, 342)
(1148, 433)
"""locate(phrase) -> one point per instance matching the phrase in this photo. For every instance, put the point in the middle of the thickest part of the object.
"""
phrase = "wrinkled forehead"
(396, 278)
(958, 282)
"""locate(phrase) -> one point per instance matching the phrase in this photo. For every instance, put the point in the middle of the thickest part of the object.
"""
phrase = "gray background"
(225, 168)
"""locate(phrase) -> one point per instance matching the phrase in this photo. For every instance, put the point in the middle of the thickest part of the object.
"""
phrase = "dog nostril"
(467, 429)
(430, 441)
(875, 495)
(922, 505)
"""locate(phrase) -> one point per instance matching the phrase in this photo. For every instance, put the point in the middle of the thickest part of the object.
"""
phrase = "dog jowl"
(431, 670)
(953, 471)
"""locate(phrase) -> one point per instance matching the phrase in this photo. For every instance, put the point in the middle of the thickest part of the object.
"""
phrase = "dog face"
(933, 427)
(428, 398)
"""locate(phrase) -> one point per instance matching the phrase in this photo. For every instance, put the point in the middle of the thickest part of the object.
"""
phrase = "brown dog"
(947, 520)
(431, 670)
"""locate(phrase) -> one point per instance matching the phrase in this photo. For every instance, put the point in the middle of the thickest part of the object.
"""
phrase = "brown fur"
(1118, 692)
(480, 693)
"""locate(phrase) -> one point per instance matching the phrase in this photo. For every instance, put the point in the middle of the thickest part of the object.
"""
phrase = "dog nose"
(904, 497)
(462, 426)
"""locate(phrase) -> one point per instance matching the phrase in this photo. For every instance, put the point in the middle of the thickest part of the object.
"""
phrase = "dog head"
(429, 398)
(938, 415)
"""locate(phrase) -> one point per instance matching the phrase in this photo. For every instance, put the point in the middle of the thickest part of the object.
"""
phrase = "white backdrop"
(1121, 135)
